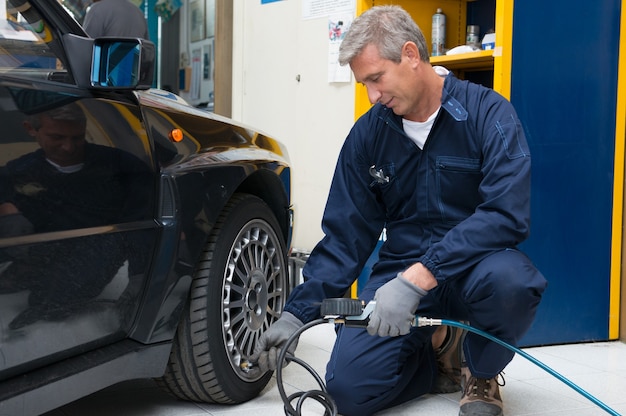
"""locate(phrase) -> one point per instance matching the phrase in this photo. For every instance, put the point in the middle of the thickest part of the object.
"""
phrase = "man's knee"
(507, 278)
(502, 294)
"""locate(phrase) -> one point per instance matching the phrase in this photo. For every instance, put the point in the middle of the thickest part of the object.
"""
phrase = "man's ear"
(29, 128)
(410, 51)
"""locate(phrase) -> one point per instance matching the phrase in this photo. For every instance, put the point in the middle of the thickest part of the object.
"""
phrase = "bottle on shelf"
(472, 39)
(438, 34)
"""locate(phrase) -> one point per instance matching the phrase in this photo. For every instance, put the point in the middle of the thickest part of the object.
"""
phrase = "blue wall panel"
(564, 86)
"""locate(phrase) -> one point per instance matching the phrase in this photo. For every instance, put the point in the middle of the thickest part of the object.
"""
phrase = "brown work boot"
(481, 397)
(449, 361)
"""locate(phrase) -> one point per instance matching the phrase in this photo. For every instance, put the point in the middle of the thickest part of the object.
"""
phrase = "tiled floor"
(599, 368)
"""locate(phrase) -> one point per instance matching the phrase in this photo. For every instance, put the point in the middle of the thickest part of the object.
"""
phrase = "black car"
(140, 237)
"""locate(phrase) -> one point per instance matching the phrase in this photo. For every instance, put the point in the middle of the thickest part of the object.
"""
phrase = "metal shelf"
(474, 61)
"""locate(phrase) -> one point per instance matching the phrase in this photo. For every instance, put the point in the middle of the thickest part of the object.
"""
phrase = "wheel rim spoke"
(253, 290)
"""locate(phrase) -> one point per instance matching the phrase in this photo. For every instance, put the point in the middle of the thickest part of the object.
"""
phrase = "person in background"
(115, 18)
(443, 165)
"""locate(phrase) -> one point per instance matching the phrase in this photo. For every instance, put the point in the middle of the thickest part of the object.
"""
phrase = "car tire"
(239, 288)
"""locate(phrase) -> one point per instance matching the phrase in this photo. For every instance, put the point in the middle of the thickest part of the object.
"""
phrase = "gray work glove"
(12, 225)
(396, 303)
(272, 341)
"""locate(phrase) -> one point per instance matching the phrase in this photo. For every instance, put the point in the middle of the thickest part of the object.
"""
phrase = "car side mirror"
(111, 63)
(127, 63)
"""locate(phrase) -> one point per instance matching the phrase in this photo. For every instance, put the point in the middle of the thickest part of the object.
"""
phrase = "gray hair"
(386, 27)
(70, 112)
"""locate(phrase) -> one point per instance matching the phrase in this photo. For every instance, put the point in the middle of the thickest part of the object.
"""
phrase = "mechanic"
(444, 166)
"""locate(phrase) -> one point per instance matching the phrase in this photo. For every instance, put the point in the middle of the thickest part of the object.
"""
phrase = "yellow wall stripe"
(618, 185)
(503, 53)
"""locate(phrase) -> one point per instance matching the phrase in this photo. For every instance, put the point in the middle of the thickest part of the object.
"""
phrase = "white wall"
(273, 46)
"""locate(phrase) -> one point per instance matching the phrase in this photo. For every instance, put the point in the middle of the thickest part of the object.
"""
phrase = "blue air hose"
(603, 406)
(330, 408)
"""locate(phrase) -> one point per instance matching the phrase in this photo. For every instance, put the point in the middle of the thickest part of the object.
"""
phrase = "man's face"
(389, 83)
(62, 141)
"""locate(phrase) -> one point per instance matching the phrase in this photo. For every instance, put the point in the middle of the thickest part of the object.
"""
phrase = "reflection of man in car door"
(68, 184)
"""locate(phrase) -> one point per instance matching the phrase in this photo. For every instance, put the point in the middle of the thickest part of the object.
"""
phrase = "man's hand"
(7, 208)
(396, 303)
(272, 341)
(15, 224)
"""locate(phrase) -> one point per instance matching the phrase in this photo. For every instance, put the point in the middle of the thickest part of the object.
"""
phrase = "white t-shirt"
(418, 131)
(66, 169)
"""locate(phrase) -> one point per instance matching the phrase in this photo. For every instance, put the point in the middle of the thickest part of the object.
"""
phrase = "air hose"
(349, 316)
(321, 395)
(530, 358)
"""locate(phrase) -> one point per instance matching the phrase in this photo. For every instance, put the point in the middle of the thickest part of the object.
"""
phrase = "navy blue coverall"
(460, 207)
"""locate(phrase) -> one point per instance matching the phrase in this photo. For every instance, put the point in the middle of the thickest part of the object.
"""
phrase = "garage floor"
(599, 368)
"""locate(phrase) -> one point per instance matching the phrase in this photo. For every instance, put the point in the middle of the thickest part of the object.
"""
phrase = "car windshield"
(25, 43)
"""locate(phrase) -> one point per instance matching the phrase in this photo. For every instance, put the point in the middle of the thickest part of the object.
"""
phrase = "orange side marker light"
(176, 135)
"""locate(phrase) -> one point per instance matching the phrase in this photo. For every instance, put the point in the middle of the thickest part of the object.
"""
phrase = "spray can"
(438, 34)
(472, 36)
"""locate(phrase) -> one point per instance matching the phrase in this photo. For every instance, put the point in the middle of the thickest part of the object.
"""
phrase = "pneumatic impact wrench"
(355, 313)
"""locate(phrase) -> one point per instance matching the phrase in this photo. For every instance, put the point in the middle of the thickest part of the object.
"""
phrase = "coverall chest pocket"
(385, 183)
(457, 182)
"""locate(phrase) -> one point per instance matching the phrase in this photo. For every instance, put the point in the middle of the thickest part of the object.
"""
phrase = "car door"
(77, 193)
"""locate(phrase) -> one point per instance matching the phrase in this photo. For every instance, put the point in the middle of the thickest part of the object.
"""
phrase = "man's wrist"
(411, 285)
(420, 276)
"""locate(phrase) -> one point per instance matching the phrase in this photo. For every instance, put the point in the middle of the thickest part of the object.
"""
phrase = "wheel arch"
(205, 194)
(274, 190)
